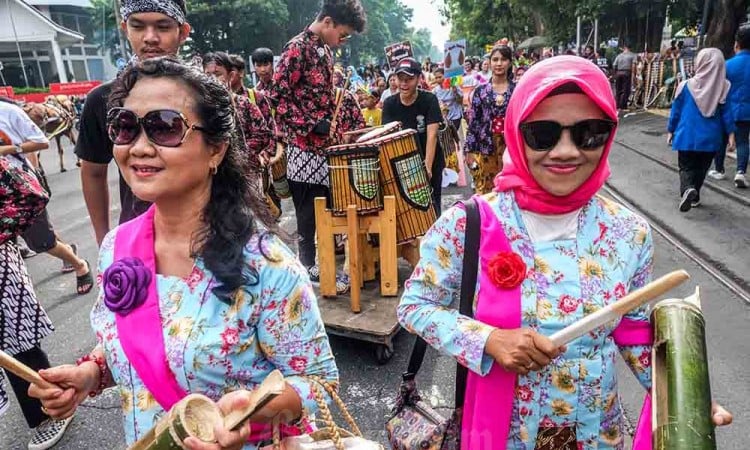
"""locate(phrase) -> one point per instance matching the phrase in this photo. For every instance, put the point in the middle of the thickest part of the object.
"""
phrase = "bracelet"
(103, 371)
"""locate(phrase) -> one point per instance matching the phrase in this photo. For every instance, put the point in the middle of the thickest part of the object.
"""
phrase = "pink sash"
(141, 333)
(489, 399)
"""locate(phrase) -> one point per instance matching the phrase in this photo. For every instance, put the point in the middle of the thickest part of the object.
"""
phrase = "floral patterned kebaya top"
(214, 347)
(566, 280)
(303, 90)
(256, 132)
(486, 106)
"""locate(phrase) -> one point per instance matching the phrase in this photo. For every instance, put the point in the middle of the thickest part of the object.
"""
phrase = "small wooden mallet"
(23, 371)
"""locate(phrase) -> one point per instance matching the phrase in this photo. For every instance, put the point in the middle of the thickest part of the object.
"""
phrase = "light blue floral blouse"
(213, 347)
(567, 279)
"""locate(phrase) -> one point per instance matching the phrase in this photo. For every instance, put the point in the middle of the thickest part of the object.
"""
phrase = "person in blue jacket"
(738, 73)
(700, 119)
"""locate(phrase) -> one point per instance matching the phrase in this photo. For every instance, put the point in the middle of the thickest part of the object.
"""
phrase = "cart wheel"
(383, 354)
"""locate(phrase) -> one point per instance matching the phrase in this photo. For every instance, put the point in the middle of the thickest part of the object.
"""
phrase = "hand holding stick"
(23, 371)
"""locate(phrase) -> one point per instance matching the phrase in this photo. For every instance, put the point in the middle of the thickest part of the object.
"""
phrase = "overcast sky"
(427, 15)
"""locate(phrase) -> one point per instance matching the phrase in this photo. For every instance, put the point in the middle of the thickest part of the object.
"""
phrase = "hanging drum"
(403, 175)
(354, 171)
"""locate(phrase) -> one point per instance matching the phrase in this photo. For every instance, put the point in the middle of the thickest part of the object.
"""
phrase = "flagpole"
(18, 45)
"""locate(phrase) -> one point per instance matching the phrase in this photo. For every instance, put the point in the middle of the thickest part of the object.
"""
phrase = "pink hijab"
(537, 83)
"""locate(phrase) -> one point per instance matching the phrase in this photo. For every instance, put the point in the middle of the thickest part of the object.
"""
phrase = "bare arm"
(432, 135)
(96, 195)
(27, 147)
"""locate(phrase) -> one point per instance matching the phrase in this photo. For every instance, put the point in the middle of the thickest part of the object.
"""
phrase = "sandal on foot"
(67, 267)
(85, 283)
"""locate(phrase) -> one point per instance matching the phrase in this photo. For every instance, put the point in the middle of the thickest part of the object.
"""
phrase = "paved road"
(368, 388)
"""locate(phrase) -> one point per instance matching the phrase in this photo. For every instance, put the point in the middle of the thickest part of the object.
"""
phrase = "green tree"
(236, 26)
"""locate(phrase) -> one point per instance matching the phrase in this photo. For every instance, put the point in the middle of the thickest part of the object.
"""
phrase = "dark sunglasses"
(163, 127)
(589, 134)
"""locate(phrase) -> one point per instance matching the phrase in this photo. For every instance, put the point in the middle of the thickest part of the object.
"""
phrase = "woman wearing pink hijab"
(551, 251)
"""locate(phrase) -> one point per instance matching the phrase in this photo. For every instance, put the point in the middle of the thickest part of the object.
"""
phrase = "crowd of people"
(200, 292)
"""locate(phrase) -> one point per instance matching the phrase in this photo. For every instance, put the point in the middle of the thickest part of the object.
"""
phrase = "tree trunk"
(725, 19)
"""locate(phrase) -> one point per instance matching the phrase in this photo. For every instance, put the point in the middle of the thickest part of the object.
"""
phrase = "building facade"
(58, 41)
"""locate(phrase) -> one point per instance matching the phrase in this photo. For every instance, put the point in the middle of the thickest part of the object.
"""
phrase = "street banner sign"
(396, 52)
(76, 88)
(454, 55)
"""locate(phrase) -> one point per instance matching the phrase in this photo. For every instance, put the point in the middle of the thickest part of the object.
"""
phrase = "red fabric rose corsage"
(507, 270)
(498, 125)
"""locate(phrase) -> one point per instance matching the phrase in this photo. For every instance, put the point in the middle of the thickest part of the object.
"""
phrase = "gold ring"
(531, 364)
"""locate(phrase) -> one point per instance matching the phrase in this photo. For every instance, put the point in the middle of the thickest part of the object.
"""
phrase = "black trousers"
(303, 197)
(436, 183)
(622, 89)
(693, 169)
(31, 407)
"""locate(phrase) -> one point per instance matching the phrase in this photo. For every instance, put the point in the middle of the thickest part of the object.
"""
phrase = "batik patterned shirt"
(255, 131)
(350, 115)
(486, 106)
(303, 90)
(213, 347)
(566, 280)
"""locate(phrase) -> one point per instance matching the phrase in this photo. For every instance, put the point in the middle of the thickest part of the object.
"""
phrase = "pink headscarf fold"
(536, 84)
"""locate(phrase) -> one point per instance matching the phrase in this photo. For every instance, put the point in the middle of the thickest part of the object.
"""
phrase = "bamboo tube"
(197, 415)
(620, 307)
(681, 392)
(23, 371)
(334, 120)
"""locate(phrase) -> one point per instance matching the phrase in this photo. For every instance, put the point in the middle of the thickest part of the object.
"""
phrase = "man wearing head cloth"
(153, 28)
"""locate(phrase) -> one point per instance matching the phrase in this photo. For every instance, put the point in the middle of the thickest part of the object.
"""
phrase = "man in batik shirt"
(305, 102)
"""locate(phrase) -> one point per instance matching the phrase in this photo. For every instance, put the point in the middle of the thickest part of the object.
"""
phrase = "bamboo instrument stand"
(362, 256)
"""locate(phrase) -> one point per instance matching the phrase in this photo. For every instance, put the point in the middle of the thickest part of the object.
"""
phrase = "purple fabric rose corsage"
(125, 285)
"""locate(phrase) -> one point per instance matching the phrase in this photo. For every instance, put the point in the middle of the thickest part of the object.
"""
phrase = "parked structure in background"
(48, 41)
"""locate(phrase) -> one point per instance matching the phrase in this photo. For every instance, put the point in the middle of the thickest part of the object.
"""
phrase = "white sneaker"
(740, 181)
(716, 175)
(49, 433)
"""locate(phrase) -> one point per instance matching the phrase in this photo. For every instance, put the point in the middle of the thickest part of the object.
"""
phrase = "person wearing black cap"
(419, 110)
(153, 28)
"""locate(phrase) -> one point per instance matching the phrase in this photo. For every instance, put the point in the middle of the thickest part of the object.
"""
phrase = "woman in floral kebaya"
(194, 297)
(485, 142)
(551, 251)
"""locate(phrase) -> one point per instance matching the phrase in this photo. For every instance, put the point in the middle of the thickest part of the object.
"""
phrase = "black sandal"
(67, 267)
(85, 283)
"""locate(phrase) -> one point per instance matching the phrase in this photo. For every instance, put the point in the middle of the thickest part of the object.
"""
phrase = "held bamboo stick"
(337, 111)
(23, 371)
(620, 307)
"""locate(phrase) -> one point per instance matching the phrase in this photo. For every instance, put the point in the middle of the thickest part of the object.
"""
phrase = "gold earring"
(213, 170)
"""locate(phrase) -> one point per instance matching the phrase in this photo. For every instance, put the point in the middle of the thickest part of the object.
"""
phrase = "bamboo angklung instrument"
(619, 308)
(23, 371)
(680, 388)
(337, 111)
(197, 415)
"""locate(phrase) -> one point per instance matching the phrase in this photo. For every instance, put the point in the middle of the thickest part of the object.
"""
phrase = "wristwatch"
(19, 149)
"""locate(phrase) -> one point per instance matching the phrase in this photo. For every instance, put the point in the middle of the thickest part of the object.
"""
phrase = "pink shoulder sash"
(140, 332)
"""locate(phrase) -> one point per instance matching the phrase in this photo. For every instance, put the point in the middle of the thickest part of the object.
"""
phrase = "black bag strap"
(468, 287)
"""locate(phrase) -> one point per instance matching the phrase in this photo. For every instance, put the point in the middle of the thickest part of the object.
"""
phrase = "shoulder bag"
(414, 424)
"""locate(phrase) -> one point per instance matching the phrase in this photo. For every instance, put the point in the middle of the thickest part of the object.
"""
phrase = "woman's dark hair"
(262, 55)
(220, 59)
(229, 216)
(506, 53)
(743, 36)
(344, 12)
(238, 63)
